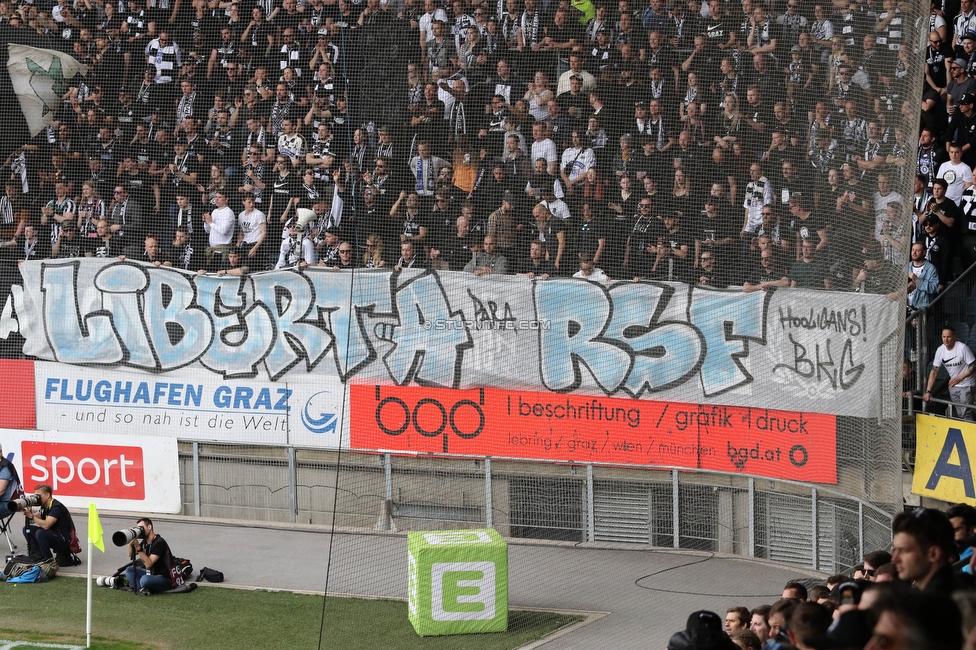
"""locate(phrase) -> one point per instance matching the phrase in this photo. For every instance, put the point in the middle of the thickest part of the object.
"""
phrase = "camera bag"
(19, 564)
(210, 575)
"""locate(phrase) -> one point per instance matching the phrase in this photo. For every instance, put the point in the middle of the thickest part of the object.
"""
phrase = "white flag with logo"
(39, 78)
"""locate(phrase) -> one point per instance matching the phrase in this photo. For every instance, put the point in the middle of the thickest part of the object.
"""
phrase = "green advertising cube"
(458, 582)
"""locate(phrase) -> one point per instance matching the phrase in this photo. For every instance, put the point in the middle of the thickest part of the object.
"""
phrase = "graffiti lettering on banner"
(944, 455)
(664, 341)
(541, 426)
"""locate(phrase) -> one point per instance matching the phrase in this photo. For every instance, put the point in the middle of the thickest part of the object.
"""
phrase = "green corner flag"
(95, 528)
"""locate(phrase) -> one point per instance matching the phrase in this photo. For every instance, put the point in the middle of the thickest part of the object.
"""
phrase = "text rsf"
(105, 471)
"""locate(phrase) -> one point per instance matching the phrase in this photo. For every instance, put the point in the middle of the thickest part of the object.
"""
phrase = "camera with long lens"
(112, 582)
(123, 537)
(29, 501)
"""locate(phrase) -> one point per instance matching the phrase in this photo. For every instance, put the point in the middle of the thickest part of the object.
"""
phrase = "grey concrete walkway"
(648, 593)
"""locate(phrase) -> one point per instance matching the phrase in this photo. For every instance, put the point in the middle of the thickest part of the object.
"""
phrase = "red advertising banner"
(546, 426)
(17, 406)
(77, 470)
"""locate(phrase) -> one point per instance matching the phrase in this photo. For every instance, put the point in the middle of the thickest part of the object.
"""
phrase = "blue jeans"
(139, 579)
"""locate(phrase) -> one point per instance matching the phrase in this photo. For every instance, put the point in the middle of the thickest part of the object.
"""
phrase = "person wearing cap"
(703, 631)
(959, 84)
(962, 127)
(969, 52)
(502, 224)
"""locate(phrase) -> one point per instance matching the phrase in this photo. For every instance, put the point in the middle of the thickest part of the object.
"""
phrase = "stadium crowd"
(918, 596)
(721, 143)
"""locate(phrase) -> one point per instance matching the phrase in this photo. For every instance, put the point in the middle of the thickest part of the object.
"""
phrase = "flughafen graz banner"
(640, 373)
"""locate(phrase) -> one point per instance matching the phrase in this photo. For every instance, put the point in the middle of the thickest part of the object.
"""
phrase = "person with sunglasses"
(346, 256)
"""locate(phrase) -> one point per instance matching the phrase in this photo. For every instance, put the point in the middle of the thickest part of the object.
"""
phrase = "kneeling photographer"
(158, 572)
(49, 529)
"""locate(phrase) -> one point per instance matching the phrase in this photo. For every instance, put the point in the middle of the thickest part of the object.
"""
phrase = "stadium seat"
(971, 310)
(962, 330)
(954, 306)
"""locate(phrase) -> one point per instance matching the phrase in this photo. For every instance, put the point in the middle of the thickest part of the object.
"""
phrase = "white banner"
(191, 404)
(446, 330)
(139, 475)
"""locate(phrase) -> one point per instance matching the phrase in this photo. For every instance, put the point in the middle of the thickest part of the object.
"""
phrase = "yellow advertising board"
(943, 469)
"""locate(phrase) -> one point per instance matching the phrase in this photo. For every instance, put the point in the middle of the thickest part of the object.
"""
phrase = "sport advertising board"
(116, 472)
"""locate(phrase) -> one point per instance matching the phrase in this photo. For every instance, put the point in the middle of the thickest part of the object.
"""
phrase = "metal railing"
(808, 525)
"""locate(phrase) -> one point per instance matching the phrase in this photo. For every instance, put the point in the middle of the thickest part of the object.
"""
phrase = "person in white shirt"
(253, 228)
(759, 193)
(588, 270)
(543, 147)
(956, 173)
(576, 161)
(219, 225)
(958, 360)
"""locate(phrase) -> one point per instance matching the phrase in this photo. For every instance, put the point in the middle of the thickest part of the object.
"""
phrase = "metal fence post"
(860, 527)
(488, 505)
(292, 485)
(196, 479)
(816, 527)
(752, 517)
(590, 525)
(388, 476)
(675, 517)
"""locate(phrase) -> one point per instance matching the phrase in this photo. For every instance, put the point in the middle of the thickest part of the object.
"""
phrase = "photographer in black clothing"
(158, 572)
(48, 531)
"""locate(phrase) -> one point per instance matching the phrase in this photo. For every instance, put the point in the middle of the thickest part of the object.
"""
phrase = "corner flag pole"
(94, 539)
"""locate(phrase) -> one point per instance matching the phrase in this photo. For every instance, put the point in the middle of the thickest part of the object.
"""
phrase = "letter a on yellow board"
(945, 450)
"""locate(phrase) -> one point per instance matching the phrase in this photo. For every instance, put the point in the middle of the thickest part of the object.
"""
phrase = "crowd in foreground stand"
(721, 143)
(919, 596)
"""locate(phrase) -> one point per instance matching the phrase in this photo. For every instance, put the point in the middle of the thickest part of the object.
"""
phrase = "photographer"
(50, 528)
(9, 483)
(153, 552)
